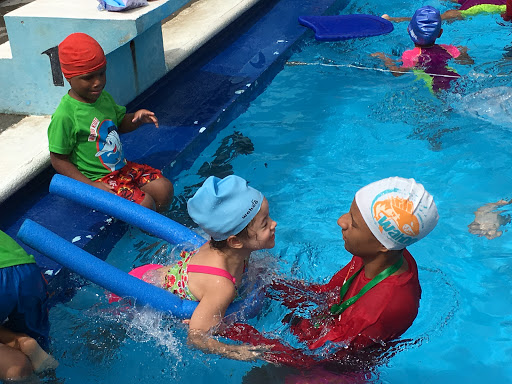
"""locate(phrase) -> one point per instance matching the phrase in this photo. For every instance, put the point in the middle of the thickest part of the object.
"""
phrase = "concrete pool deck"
(24, 145)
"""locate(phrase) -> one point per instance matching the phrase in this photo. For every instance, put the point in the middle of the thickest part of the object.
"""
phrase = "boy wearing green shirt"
(83, 134)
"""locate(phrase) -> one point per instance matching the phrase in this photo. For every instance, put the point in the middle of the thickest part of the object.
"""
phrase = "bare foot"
(48, 364)
(41, 361)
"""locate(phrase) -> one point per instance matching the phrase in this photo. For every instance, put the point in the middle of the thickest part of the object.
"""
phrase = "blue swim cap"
(223, 207)
(425, 25)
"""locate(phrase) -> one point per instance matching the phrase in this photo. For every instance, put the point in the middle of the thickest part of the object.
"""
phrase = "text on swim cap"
(394, 232)
(413, 35)
(254, 203)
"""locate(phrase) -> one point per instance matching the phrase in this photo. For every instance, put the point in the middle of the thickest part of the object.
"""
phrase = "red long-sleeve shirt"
(381, 314)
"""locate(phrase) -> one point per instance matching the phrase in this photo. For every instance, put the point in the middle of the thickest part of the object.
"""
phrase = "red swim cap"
(79, 54)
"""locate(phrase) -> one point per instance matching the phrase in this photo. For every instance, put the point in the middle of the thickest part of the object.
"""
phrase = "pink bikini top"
(211, 271)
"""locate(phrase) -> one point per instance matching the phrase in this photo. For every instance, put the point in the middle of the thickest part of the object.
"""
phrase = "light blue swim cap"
(425, 25)
(223, 207)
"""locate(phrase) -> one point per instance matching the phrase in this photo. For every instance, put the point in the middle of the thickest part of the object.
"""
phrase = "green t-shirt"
(11, 252)
(87, 133)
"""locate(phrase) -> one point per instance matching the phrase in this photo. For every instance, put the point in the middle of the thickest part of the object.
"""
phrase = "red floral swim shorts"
(127, 181)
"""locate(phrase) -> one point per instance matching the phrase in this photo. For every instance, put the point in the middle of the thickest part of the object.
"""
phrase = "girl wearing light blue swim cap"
(236, 217)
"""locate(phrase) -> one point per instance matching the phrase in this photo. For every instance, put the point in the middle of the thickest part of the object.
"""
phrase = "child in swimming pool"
(467, 8)
(428, 59)
(236, 217)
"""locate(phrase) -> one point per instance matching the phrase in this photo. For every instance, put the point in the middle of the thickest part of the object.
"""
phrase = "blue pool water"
(327, 125)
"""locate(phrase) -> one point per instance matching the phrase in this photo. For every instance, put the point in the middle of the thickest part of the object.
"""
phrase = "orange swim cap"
(79, 54)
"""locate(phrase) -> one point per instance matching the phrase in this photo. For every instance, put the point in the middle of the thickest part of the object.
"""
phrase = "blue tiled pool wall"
(208, 90)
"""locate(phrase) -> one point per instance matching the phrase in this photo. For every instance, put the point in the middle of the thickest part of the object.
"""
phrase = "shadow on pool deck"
(7, 120)
(6, 6)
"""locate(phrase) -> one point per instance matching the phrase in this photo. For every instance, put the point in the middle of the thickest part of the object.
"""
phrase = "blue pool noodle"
(119, 282)
(131, 213)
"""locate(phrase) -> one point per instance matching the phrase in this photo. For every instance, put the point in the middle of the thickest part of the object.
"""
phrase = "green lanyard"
(337, 309)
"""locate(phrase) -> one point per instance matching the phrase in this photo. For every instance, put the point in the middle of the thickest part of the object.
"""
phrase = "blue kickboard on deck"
(344, 27)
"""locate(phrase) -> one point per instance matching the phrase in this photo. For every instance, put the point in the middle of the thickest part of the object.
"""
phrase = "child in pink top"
(236, 217)
(427, 57)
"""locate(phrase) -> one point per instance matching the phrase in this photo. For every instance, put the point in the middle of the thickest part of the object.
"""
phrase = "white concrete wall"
(24, 146)
(26, 77)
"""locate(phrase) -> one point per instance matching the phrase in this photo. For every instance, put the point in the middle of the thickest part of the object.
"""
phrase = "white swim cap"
(398, 211)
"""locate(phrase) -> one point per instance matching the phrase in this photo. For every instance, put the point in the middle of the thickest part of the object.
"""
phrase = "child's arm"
(132, 121)
(451, 15)
(390, 64)
(243, 352)
(208, 314)
(488, 220)
(63, 166)
(395, 19)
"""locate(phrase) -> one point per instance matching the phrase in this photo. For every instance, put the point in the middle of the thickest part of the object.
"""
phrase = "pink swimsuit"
(433, 61)
(176, 279)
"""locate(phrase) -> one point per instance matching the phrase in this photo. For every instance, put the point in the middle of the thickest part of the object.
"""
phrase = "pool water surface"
(329, 123)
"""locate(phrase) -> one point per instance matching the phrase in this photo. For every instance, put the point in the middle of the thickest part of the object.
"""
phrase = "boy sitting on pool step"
(83, 134)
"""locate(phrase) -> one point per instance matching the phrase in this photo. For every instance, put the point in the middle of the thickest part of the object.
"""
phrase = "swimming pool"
(315, 135)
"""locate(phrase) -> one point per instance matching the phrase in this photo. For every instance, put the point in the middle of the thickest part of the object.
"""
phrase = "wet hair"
(222, 244)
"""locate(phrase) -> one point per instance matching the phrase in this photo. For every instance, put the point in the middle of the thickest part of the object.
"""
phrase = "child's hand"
(380, 55)
(144, 116)
(103, 186)
(488, 220)
(247, 352)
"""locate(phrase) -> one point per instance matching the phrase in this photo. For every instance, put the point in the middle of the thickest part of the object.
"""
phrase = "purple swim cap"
(425, 25)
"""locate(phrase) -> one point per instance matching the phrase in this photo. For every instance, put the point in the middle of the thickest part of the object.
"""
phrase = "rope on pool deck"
(299, 63)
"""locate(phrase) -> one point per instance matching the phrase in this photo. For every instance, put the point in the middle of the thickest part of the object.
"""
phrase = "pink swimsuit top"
(433, 61)
(211, 271)
(176, 279)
